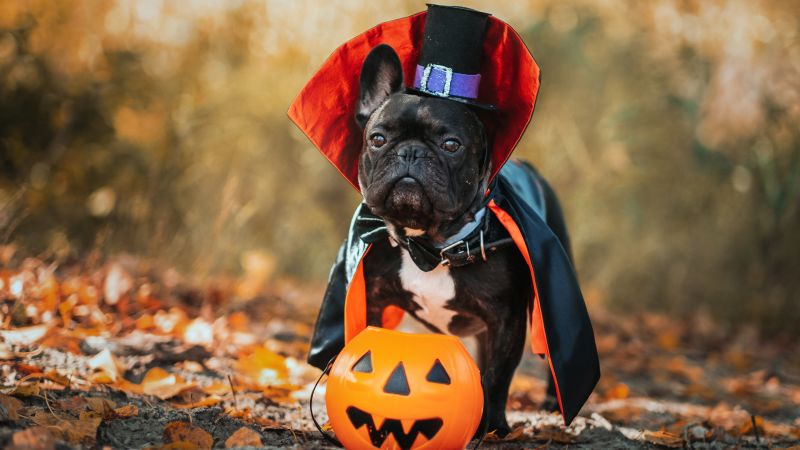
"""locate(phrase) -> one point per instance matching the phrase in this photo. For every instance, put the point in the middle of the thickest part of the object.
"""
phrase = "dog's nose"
(411, 153)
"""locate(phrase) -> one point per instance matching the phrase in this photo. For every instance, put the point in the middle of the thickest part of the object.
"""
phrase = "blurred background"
(158, 129)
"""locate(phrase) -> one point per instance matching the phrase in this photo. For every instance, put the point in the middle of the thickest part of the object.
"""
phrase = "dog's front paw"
(500, 429)
(498, 426)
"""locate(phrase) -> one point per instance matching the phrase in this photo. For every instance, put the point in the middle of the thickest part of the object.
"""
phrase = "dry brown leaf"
(26, 389)
(162, 384)
(9, 407)
(179, 445)
(126, 411)
(516, 434)
(208, 401)
(25, 335)
(663, 438)
(71, 404)
(244, 437)
(175, 432)
(81, 430)
(100, 405)
(56, 377)
(34, 438)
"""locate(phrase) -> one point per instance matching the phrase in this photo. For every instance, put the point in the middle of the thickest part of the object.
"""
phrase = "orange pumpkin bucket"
(393, 390)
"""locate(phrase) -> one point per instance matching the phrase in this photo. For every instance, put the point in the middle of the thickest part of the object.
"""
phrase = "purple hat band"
(443, 82)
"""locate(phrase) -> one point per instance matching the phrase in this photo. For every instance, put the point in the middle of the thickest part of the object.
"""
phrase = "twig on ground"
(233, 391)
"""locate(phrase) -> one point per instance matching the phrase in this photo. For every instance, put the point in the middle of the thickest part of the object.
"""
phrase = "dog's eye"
(451, 145)
(377, 140)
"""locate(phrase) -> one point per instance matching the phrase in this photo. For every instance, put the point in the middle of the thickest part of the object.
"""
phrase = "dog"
(424, 171)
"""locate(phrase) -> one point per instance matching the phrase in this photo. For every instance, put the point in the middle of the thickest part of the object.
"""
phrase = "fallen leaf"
(175, 432)
(25, 335)
(663, 438)
(28, 369)
(126, 411)
(162, 384)
(33, 438)
(106, 364)
(217, 388)
(9, 407)
(618, 391)
(516, 434)
(263, 367)
(102, 406)
(72, 404)
(56, 377)
(81, 430)
(26, 389)
(208, 401)
(244, 437)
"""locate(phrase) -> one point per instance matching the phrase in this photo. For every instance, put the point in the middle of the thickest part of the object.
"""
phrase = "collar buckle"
(462, 255)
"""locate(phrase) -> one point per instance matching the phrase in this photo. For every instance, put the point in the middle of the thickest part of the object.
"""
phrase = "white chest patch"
(431, 291)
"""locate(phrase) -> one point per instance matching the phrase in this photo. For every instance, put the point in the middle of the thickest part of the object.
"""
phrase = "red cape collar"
(325, 108)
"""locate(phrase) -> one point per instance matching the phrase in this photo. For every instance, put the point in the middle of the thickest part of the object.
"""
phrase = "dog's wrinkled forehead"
(407, 112)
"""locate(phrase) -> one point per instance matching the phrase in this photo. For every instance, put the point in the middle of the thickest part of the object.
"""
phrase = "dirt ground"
(121, 355)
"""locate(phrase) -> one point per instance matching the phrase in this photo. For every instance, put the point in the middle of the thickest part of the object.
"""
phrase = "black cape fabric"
(517, 189)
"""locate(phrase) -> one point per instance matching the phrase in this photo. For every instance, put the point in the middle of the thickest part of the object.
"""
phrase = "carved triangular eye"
(397, 382)
(437, 374)
(364, 364)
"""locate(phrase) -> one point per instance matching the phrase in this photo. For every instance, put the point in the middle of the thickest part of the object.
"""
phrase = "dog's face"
(423, 164)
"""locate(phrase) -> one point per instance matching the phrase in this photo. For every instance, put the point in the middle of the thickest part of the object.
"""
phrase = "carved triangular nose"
(397, 382)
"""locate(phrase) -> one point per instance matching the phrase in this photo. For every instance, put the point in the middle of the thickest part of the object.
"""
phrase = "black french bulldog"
(424, 170)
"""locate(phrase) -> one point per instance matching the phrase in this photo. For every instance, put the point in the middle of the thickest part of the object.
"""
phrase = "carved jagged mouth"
(426, 427)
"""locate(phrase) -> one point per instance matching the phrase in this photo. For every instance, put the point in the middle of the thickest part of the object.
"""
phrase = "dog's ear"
(381, 76)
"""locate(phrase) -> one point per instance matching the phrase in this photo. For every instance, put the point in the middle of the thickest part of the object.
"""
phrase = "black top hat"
(450, 59)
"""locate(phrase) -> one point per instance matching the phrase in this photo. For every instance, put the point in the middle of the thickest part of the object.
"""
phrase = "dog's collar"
(467, 246)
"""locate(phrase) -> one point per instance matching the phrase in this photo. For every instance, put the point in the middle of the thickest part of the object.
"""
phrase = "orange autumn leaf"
(26, 389)
(238, 321)
(9, 407)
(244, 437)
(175, 432)
(33, 438)
(126, 411)
(618, 391)
(162, 384)
(263, 367)
(211, 400)
(663, 438)
(56, 377)
(145, 322)
(217, 388)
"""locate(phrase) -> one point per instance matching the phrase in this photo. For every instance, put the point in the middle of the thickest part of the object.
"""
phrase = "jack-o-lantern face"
(393, 390)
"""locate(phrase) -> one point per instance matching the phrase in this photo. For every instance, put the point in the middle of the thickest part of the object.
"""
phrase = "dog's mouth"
(407, 204)
(394, 427)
